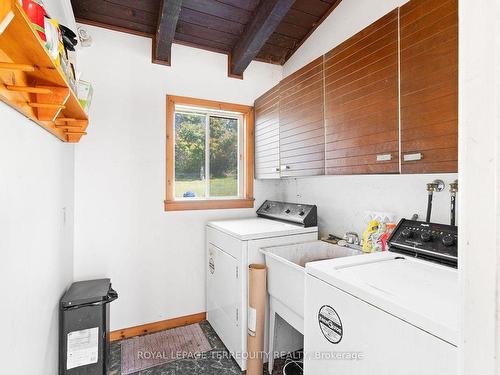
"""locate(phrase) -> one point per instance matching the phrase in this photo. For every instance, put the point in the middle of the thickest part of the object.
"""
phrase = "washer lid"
(421, 293)
(255, 228)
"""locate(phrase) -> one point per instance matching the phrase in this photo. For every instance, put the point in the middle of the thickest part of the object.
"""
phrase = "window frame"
(247, 113)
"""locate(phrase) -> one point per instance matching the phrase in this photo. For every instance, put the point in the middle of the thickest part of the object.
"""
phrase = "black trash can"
(84, 328)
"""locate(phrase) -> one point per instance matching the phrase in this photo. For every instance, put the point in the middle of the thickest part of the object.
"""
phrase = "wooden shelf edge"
(22, 72)
(18, 7)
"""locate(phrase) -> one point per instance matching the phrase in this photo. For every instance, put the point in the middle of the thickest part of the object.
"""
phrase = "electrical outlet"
(380, 216)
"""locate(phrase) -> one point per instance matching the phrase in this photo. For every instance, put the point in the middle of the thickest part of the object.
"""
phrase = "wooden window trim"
(208, 204)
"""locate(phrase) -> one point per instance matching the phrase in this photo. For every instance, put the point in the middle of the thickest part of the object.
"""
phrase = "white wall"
(62, 11)
(347, 19)
(36, 243)
(343, 200)
(155, 259)
(479, 166)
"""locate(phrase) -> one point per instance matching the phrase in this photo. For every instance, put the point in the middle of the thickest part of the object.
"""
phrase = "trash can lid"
(85, 292)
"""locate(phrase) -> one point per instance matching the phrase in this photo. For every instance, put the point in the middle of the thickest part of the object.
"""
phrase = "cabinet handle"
(277, 169)
(413, 157)
(384, 157)
(285, 167)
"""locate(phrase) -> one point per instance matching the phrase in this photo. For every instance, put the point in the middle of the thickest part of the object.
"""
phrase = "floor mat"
(143, 352)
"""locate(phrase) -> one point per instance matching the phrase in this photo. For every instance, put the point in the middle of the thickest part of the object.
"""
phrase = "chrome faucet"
(352, 238)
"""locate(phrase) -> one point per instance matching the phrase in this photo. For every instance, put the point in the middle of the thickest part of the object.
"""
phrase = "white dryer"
(234, 244)
(387, 313)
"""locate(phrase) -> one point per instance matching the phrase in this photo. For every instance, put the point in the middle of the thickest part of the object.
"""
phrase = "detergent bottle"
(371, 229)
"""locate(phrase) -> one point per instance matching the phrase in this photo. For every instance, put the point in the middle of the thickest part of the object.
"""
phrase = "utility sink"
(286, 269)
(286, 279)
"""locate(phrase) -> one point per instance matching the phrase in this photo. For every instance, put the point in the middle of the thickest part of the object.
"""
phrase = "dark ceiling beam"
(265, 20)
(165, 31)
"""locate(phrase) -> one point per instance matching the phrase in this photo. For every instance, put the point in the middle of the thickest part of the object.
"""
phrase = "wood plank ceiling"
(215, 25)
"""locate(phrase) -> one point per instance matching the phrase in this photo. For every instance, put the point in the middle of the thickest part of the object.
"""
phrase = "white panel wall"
(343, 200)
(155, 258)
(479, 165)
(36, 242)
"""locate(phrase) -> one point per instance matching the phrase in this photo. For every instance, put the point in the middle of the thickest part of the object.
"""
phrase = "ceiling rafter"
(165, 31)
(266, 19)
(213, 25)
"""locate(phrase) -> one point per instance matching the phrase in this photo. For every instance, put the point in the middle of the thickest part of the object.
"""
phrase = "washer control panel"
(435, 242)
(303, 214)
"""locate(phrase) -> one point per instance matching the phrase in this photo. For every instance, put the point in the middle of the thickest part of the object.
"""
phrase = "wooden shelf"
(33, 84)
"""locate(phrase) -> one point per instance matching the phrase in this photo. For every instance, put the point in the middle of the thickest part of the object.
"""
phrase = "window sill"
(208, 204)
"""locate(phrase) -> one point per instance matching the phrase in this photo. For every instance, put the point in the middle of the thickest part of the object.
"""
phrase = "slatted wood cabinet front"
(394, 84)
(267, 143)
(361, 86)
(302, 125)
(429, 86)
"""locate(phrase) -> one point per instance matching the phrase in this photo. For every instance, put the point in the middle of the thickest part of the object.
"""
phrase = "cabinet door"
(361, 101)
(302, 130)
(267, 163)
(429, 86)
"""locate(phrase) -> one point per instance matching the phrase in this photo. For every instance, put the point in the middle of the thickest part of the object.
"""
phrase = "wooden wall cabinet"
(267, 151)
(361, 101)
(429, 86)
(301, 121)
(383, 101)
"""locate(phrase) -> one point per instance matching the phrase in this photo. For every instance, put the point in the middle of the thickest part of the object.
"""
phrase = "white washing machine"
(387, 313)
(234, 244)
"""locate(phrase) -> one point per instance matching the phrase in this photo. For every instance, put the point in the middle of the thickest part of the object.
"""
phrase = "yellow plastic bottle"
(371, 229)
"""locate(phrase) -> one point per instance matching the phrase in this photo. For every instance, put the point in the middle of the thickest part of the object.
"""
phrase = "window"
(209, 154)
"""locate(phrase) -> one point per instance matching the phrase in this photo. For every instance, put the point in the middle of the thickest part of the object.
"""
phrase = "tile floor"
(211, 364)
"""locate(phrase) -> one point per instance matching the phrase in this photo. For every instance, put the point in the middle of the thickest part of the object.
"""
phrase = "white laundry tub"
(286, 279)
(286, 269)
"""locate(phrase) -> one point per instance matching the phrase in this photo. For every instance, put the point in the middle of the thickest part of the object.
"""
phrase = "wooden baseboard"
(157, 326)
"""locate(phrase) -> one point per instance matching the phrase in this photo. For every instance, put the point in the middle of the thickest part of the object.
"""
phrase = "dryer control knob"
(407, 233)
(425, 236)
(448, 240)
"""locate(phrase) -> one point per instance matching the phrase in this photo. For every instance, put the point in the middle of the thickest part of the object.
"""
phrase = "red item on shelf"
(36, 12)
(385, 237)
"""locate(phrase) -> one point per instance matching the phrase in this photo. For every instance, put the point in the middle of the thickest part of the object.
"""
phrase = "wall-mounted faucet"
(453, 203)
(432, 187)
